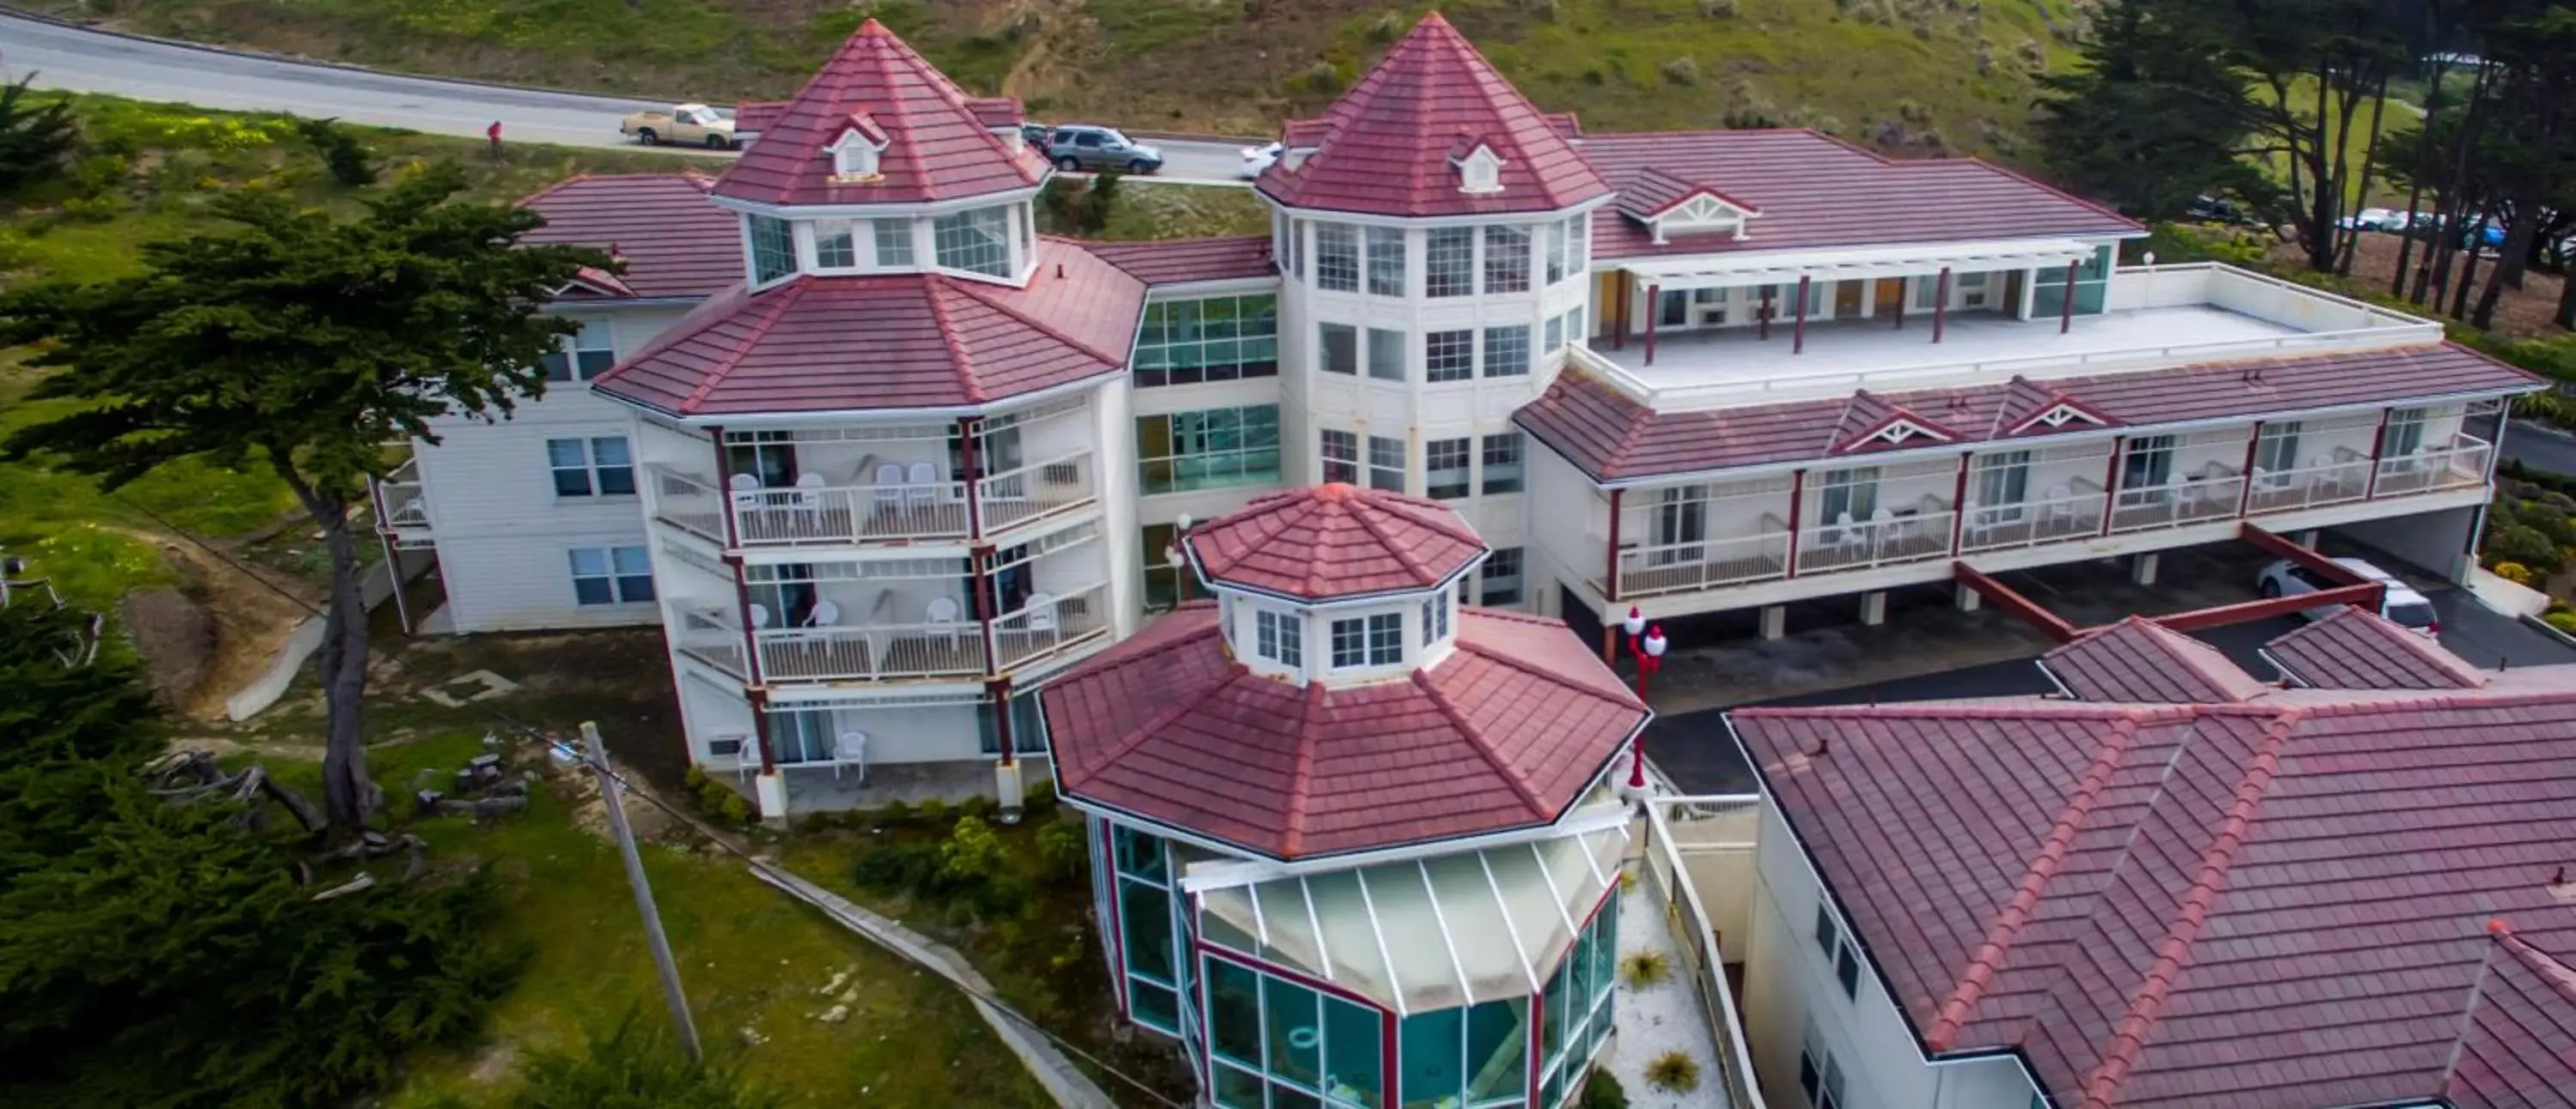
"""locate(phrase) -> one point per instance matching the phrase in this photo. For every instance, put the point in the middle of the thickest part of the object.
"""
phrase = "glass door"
(1682, 518)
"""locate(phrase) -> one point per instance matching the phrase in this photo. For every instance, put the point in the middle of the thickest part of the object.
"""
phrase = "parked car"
(2399, 603)
(2377, 219)
(1078, 147)
(1035, 134)
(1257, 159)
(2213, 209)
(685, 124)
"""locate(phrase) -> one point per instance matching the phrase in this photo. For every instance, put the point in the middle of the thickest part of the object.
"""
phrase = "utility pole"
(609, 792)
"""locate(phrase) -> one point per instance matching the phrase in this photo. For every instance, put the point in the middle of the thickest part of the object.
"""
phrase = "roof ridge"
(2197, 656)
(1412, 562)
(768, 315)
(2429, 651)
(1946, 710)
(2129, 1035)
(992, 300)
(1128, 743)
(2006, 928)
(1499, 658)
(2558, 974)
(961, 361)
(1476, 741)
(1301, 775)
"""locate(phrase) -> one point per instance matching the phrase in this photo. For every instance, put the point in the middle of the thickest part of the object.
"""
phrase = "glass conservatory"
(1475, 979)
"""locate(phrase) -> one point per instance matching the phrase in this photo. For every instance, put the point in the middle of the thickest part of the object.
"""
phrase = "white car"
(1257, 159)
(2399, 603)
(2378, 219)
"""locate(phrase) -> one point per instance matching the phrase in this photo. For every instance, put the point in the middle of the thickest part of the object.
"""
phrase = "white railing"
(2460, 465)
(805, 514)
(400, 504)
(1046, 626)
(1862, 544)
(1010, 499)
(688, 502)
(2346, 478)
(871, 653)
(2176, 503)
(1652, 569)
(1686, 916)
(714, 637)
(2069, 511)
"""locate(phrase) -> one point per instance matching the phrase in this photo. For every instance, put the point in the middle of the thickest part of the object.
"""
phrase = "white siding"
(523, 582)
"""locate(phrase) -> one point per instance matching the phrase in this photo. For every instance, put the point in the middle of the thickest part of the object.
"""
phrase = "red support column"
(1941, 304)
(1797, 500)
(2066, 311)
(967, 429)
(2111, 483)
(1762, 319)
(1798, 339)
(1959, 507)
(2370, 485)
(2245, 494)
(760, 730)
(1000, 692)
(1903, 289)
(979, 581)
(1610, 579)
(1654, 311)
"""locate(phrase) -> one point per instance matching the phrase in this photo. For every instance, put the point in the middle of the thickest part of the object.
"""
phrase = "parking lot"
(1928, 649)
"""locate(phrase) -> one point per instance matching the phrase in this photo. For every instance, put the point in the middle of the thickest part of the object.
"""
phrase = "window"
(773, 249)
(1297, 248)
(835, 246)
(1574, 332)
(1028, 734)
(1386, 354)
(976, 241)
(1927, 293)
(1820, 1075)
(1213, 449)
(2403, 436)
(1449, 355)
(1578, 251)
(611, 575)
(854, 157)
(1337, 258)
(1386, 464)
(1341, 456)
(1435, 619)
(2278, 447)
(1449, 262)
(2003, 483)
(1368, 641)
(1445, 463)
(1847, 971)
(1279, 637)
(2146, 462)
(1507, 259)
(1186, 342)
(1147, 937)
(588, 352)
(1503, 462)
(1500, 578)
(894, 242)
(588, 467)
(1165, 584)
(2092, 283)
(1575, 1005)
(1555, 334)
(1507, 351)
(1304, 1047)
(1849, 496)
(1555, 253)
(1838, 952)
(1338, 344)
(1386, 261)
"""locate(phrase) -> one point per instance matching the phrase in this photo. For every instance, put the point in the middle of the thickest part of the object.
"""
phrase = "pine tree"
(2148, 121)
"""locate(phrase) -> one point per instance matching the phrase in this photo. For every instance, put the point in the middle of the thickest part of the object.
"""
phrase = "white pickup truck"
(2399, 602)
(683, 124)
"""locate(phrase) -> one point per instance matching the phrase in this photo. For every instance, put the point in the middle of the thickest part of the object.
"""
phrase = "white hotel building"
(883, 461)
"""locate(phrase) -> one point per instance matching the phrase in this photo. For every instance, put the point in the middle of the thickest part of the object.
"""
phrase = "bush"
(1387, 28)
(2514, 572)
(1644, 968)
(631, 1068)
(1063, 851)
(1675, 1071)
(895, 812)
(2514, 541)
(36, 140)
(973, 854)
(1320, 79)
(978, 806)
(721, 802)
(1602, 1091)
(934, 812)
(1682, 71)
(349, 160)
(2562, 620)
(1039, 798)
(899, 868)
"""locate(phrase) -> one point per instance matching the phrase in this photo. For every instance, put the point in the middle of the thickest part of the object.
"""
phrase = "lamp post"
(1650, 658)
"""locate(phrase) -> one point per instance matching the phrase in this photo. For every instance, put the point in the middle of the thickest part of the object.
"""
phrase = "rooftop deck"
(2159, 316)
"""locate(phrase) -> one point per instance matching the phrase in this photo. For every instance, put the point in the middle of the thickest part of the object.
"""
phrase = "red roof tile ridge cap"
(2202, 660)
(1368, 522)
(977, 289)
(2429, 651)
(959, 361)
(1942, 710)
(1301, 775)
(1475, 739)
(2559, 975)
(1514, 662)
(2129, 1036)
(1128, 743)
(2008, 923)
(767, 317)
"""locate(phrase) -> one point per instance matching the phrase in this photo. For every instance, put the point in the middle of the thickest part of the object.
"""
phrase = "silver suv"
(1082, 147)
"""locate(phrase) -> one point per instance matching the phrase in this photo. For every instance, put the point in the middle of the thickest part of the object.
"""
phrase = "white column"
(1968, 600)
(1873, 607)
(769, 792)
(1775, 621)
(2142, 568)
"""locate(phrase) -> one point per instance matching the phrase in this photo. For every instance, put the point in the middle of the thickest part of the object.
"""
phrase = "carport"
(2351, 589)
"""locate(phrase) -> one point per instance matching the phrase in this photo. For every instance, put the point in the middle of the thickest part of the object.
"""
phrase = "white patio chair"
(809, 501)
(850, 749)
(1846, 535)
(1041, 613)
(1883, 527)
(921, 489)
(759, 617)
(2060, 508)
(890, 493)
(941, 617)
(826, 615)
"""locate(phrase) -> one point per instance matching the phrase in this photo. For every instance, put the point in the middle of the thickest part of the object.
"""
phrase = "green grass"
(1920, 75)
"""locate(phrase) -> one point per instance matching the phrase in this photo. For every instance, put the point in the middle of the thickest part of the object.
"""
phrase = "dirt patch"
(2524, 311)
(175, 636)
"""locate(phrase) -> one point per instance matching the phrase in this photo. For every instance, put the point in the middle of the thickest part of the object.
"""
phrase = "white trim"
(1533, 215)
(1448, 939)
(1395, 987)
(1773, 267)
(1528, 969)
(865, 211)
(1323, 947)
(1208, 876)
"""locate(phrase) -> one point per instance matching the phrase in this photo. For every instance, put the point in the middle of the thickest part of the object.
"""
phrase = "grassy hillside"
(1919, 75)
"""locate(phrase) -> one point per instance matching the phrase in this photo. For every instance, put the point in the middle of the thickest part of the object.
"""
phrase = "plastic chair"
(825, 614)
(759, 617)
(889, 490)
(941, 616)
(850, 749)
(1041, 612)
(921, 488)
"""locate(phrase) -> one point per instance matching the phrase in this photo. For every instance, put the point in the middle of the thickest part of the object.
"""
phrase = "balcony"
(402, 511)
(1858, 518)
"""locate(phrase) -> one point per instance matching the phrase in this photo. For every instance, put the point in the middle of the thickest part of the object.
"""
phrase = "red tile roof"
(1817, 191)
(1651, 192)
(757, 115)
(1612, 437)
(2139, 660)
(2277, 903)
(676, 243)
(2354, 649)
(2520, 1050)
(829, 344)
(1334, 540)
(940, 148)
(1178, 261)
(1506, 732)
(1389, 146)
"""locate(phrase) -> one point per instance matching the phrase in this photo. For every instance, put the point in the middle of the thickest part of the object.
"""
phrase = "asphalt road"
(2541, 448)
(81, 60)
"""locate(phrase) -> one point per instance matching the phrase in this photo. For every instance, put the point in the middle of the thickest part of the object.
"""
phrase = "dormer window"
(1435, 619)
(1480, 172)
(1702, 213)
(857, 151)
(1365, 641)
(1279, 637)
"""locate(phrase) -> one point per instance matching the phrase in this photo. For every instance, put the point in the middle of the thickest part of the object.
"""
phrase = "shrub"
(36, 140)
(1320, 79)
(899, 868)
(695, 777)
(1717, 9)
(978, 806)
(1682, 70)
(1644, 968)
(934, 812)
(1063, 850)
(349, 160)
(973, 854)
(2515, 541)
(632, 1067)
(1675, 1071)
(2514, 572)
(2562, 620)
(721, 802)
(1602, 1091)
(894, 812)
(1039, 797)
(1387, 28)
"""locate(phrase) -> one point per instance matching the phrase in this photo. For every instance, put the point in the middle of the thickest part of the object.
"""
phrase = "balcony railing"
(688, 502)
(400, 506)
(2319, 483)
(1046, 626)
(2177, 501)
(1657, 568)
(712, 636)
(1881, 541)
(954, 649)
(1016, 497)
(2063, 512)
(2461, 464)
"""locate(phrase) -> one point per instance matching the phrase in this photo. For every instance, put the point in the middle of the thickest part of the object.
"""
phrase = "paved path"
(2541, 448)
(83, 60)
